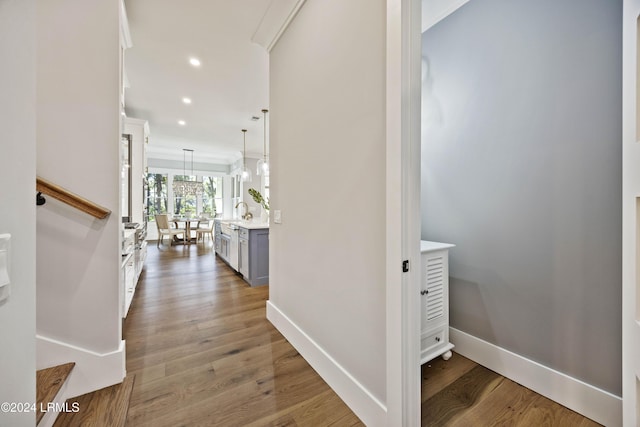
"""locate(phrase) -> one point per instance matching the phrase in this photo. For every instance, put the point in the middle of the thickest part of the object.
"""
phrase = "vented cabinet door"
(433, 288)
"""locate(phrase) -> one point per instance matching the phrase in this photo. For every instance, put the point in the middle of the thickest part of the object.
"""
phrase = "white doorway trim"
(403, 90)
(630, 214)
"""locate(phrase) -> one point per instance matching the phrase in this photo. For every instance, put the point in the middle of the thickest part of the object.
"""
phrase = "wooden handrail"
(66, 196)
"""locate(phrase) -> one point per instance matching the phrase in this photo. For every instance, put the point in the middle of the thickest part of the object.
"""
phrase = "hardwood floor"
(48, 383)
(203, 353)
(459, 392)
(105, 407)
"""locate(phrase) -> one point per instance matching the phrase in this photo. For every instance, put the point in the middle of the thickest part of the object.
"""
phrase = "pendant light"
(263, 164)
(246, 172)
(184, 186)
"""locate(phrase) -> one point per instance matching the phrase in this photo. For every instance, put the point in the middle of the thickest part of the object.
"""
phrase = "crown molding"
(125, 35)
(275, 21)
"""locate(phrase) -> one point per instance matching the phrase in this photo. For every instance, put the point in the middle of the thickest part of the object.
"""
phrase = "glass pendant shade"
(263, 164)
(263, 167)
(246, 175)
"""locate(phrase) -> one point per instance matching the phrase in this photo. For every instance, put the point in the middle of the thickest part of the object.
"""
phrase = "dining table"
(188, 227)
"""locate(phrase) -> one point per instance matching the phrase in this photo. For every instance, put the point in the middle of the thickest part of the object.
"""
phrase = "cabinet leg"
(447, 355)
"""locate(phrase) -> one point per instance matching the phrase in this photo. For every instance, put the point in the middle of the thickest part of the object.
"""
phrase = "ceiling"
(230, 86)
(231, 38)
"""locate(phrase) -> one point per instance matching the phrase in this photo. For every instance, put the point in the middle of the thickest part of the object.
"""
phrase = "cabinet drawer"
(433, 339)
(243, 233)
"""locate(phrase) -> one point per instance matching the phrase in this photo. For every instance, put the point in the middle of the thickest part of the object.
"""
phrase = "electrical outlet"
(277, 217)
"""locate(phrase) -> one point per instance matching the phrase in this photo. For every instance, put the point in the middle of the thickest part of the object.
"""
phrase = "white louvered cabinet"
(434, 301)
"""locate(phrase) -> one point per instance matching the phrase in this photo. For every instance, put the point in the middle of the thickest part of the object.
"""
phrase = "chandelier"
(184, 186)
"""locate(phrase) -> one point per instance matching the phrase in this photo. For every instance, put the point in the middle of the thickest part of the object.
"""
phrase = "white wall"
(17, 207)
(78, 127)
(327, 258)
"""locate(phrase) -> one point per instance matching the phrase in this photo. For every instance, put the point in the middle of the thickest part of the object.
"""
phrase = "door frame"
(403, 130)
(630, 213)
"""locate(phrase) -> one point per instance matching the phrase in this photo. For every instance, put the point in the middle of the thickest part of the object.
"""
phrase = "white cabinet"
(134, 161)
(128, 271)
(138, 131)
(434, 301)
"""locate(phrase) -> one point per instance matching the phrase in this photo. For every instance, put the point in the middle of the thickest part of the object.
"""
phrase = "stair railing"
(45, 187)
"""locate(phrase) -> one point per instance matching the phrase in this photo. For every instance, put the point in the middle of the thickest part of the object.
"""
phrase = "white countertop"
(427, 246)
(251, 225)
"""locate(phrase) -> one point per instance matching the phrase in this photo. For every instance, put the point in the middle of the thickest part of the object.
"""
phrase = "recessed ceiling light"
(194, 61)
(182, 122)
(186, 100)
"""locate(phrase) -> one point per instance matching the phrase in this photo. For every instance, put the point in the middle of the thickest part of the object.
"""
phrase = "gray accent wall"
(521, 169)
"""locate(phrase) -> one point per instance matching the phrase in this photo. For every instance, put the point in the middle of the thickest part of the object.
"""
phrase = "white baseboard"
(93, 371)
(370, 410)
(598, 405)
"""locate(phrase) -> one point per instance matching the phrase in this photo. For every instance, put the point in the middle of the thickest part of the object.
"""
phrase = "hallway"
(204, 354)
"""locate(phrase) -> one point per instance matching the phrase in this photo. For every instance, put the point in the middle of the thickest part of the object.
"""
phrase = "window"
(156, 195)
(212, 196)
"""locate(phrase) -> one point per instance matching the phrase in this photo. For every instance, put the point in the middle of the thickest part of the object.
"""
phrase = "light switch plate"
(5, 277)
(277, 217)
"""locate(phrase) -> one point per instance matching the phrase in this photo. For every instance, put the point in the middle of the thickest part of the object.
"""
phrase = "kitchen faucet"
(247, 215)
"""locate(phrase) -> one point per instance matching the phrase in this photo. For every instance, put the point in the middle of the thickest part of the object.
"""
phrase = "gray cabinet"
(253, 254)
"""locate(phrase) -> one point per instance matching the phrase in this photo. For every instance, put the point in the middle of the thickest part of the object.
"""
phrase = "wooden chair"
(164, 229)
(201, 232)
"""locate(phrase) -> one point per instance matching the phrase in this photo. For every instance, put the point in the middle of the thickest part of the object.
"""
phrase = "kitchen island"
(244, 246)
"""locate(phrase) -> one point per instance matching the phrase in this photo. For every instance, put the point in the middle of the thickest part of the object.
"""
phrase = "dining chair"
(201, 232)
(164, 229)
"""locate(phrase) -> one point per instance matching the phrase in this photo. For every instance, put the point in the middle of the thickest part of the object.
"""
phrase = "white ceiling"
(230, 86)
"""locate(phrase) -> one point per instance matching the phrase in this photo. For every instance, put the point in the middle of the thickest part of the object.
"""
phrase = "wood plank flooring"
(49, 381)
(204, 354)
(105, 407)
(459, 392)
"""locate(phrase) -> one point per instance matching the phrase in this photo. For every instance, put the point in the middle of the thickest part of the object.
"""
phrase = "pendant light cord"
(184, 162)
(244, 149)
(264, 148)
